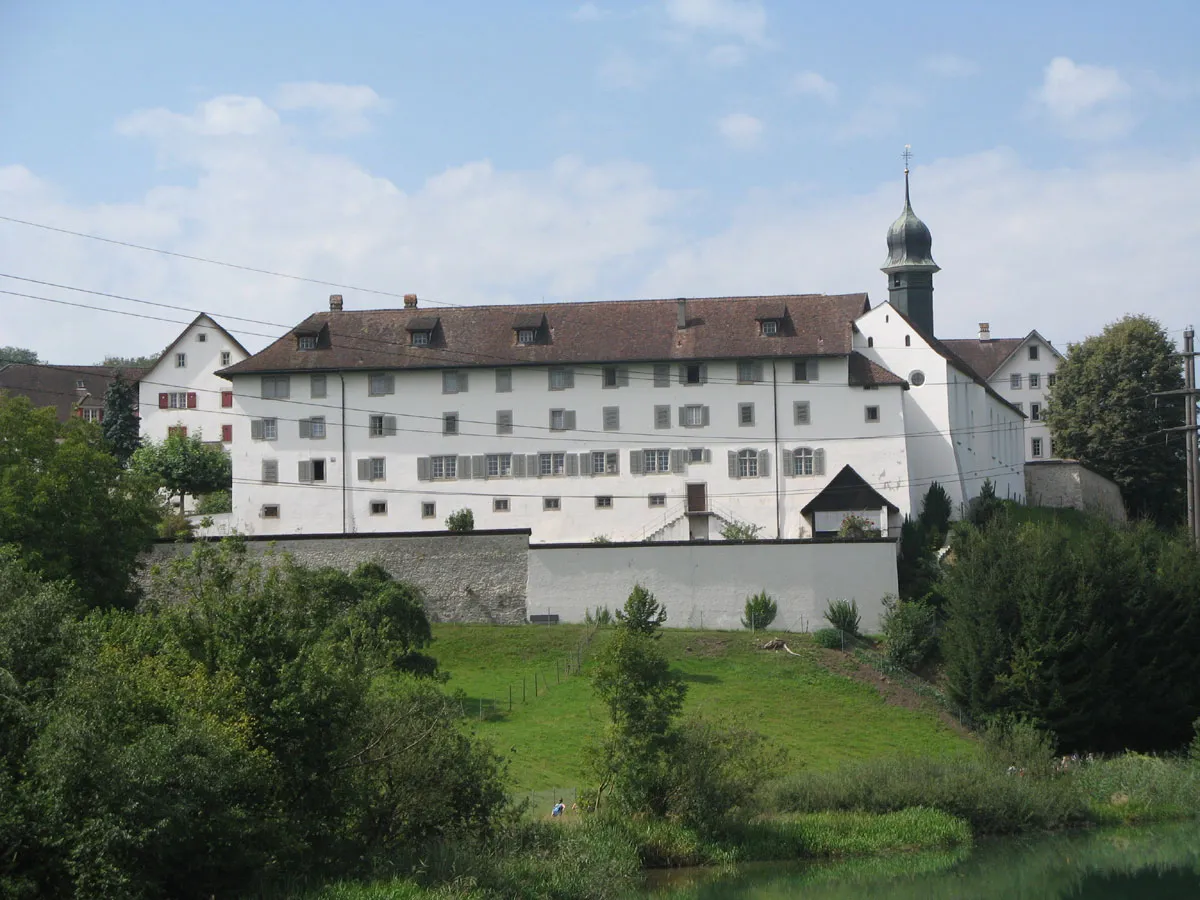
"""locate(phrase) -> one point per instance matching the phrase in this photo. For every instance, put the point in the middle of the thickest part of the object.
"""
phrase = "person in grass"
(559, 807)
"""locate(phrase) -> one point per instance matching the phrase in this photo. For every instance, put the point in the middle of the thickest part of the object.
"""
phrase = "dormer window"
(420, 338)
(526, 335)
(770, 327)
(307, 342)
(529, 327)
(422, 329)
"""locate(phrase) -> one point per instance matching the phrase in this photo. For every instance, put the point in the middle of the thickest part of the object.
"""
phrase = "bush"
(601, 539)
(740, 531)
(909, 628)
(600, 618)
(857, 528)
(174, 526)
(642, 613)
(843, 615)
(829, 638)
(461, 521)
(760, 611)
(214, 503)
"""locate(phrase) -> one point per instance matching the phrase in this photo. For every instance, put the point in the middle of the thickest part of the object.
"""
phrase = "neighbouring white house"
(182, 392)
(628, 420)
(1022, 370)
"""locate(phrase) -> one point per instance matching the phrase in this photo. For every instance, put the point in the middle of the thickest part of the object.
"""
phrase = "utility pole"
(1189, 379)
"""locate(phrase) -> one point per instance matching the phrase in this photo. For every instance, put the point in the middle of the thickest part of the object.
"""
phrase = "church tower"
(910, 264)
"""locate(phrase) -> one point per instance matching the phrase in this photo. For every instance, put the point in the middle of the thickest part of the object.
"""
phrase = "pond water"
(1158, 863)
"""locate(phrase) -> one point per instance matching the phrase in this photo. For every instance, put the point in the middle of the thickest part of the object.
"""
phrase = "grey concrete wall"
(477, 577)
(706, 584)
(1069, 483)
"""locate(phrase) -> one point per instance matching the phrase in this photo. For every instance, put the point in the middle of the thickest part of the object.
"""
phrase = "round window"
(917, 378)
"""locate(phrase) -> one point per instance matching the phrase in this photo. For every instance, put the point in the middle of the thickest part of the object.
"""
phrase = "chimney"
(681, 313)
(335, 302)
(410, 301)
(985, 333)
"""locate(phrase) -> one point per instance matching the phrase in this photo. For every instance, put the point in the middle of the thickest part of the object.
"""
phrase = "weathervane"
(907, 155)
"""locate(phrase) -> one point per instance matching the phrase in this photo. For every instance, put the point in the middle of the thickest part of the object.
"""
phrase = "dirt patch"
(707, 646)
(893, 692)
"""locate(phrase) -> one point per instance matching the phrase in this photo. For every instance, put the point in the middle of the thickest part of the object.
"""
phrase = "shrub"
(829, 638)
(1020, 743)
(935, 512)
(600, 618)
(843, 615)
(214, 503)
(461, 521)
(740, 531)
(760, 611)
(642, 613)
(984, 506)
(857, 528)
(601, 539)
(909, 627)
(174, 526)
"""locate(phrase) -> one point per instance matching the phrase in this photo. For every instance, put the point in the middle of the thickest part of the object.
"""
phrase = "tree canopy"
(183, 465)
(18, 355)
(1103, 411)
(121, 423)
(131, 362)
(68, 504)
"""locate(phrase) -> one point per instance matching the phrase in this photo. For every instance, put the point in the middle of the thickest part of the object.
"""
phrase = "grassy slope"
(821, 718)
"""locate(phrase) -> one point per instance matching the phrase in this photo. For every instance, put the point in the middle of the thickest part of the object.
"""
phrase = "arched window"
(802, 461)
(870, 342)
(748, 464)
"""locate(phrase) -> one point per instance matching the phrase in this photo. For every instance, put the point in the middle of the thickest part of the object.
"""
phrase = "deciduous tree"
(183, 465)
(18, 355)
(68, 504)
(121, 423)
(1103, 411)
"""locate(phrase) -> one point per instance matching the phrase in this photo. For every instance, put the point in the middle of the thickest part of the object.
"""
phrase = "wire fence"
(543, 675)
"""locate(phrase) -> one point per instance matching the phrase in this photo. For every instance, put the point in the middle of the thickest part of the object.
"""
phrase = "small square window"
(428, 510)
(695, 454)
(380, 383)
(1014, 381)
(79, 385)
(1035, 447)
(691, 374)
(1033, 351)
(604, 502)
(1035, 381)
(270, 511)
(226, 357)
(1035, 412)
(804, 370)
(745, 372)
(500, 504)
(551, 504)
(693, 416)
(307, 342)
(270, 429)
(561, 379)
(378, 468)
(526, 336)
(657, 500)
(201, 338)
(609, 376)
(770, 327)
(1051, 379)
(420, 338)
(450, 423)
(181, 360)
(745, 413)
(872, 413)
(379, 507)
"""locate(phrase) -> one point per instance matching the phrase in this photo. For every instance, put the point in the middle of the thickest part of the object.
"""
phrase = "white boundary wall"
(706, 584)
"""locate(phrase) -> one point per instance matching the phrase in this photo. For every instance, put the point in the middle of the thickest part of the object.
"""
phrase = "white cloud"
(470, 234)
(727, 55)
(1084, 101)
(1019, 247)
(813, 84)
(741, 130)
(883, 111)
(624, 72)
(951, 65)
(588, 12)
(222, 116)
(343, 106)
(744, 19)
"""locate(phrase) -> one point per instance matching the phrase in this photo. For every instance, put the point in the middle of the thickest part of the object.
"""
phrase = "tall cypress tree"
(121, 424)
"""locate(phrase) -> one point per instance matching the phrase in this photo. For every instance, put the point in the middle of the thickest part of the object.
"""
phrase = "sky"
(484, 152)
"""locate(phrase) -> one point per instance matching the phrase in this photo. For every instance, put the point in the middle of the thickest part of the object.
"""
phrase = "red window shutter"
(101, 415)
(227, 433)
(191, 400)
(226, 399)
(79, 412)
(162, 401)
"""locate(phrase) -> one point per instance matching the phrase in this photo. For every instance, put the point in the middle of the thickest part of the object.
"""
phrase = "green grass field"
(821, 718)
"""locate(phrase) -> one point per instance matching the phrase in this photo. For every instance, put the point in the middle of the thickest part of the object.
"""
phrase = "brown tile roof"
(609, 331)
(57, 386)
(865, 372)
(985, 357)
